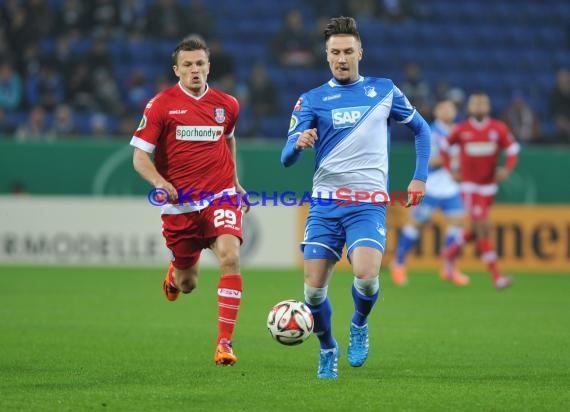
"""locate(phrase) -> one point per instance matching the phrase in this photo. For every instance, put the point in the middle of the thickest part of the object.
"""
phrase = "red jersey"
(480, 144)
(188, 136)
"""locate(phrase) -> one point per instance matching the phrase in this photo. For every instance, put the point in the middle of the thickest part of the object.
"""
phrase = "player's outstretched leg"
(364, 293)
(408, 238)
(169, 285)
(320, 306)
(229, 299)
(489, 256)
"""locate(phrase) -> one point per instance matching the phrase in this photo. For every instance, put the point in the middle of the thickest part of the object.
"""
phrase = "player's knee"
(367, 287)
(315, 296)
(188, 284)
(365, 270)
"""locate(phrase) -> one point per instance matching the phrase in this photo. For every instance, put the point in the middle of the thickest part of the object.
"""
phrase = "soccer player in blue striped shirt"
(346, 121)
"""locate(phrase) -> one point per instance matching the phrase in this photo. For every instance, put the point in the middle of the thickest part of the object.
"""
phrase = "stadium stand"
(499, 47)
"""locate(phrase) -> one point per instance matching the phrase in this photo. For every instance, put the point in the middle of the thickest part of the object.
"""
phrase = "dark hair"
(190, 43)
(341, 25)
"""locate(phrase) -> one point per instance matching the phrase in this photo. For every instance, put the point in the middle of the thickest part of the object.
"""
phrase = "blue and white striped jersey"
(353, 129)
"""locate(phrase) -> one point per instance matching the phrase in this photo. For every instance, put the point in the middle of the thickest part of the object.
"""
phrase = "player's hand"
(416, 192)
(456, 175)
(241, 193)
(501, 174)
(171, 190)
(306, 139)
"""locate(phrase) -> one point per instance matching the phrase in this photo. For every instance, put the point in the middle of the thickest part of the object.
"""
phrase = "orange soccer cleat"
(455, 277)
(171, 292)
(399, 275)
(224, 353)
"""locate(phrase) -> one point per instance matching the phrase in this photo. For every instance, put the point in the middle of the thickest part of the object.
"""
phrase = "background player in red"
(481, 139)
(190, 129)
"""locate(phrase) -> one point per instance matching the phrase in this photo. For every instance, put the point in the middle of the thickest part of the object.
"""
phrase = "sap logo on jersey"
(348, 116)
(199, 133)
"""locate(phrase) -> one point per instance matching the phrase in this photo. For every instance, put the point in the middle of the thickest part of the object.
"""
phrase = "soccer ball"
(290, 322)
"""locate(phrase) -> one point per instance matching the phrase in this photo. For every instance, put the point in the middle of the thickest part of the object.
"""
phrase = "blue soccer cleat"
(328, 363)
(358, 346)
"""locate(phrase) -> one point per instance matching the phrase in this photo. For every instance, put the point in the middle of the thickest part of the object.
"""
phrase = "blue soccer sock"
(364, 293)
(322, 314)
(408, 238)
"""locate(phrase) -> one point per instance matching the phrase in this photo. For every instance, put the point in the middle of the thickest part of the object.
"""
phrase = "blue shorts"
(330, 227)
(450, 206)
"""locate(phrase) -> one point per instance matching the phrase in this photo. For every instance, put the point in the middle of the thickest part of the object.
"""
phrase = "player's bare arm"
(416, 192)
(146, 168)
(436, 161)
(306, 139)
(231, 142)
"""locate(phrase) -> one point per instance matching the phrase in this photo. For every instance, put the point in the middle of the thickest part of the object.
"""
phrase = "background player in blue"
(442, 192)
(346, 121)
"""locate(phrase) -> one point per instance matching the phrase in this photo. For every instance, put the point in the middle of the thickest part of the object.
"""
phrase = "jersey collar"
(479, 124)
(191, 95)
(334, 83)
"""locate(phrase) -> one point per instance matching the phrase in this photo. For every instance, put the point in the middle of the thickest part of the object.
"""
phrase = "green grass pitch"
(105, 339)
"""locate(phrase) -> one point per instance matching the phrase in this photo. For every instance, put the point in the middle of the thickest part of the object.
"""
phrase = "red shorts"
(187, 234)
(477, 205)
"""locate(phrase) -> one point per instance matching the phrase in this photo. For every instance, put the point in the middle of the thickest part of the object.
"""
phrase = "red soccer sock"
(489, 256)
(229, 298)
(450, 253)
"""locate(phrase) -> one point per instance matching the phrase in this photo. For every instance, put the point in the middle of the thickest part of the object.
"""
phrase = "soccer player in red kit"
(481, 139)
(190, 128)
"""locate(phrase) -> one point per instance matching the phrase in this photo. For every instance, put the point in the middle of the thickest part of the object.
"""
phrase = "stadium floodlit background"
(83, 323)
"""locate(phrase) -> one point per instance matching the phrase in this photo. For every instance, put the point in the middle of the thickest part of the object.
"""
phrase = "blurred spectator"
(35, 127)
(247, 125)
(396, 10)
(200, 19)
(63, 56)
(10, 87)
(63, 123)
(522, 120)
(262, 92)
(457, 96)
(161, 82)
(139, 91)
(104, 18)
(417, 90)
(99, 125)
(328, 8)
(80, 87)
(362, 10)
(132, 16)
(41, 17)
(222, 63)
(73, 18)
(101, 71)
(127, 123)
(98, 57)
(45, 88)
(107, 93)
(168, 20)
(19, 31)
(30, 61)
(7, 129)
(560, 106)
(289, 45)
